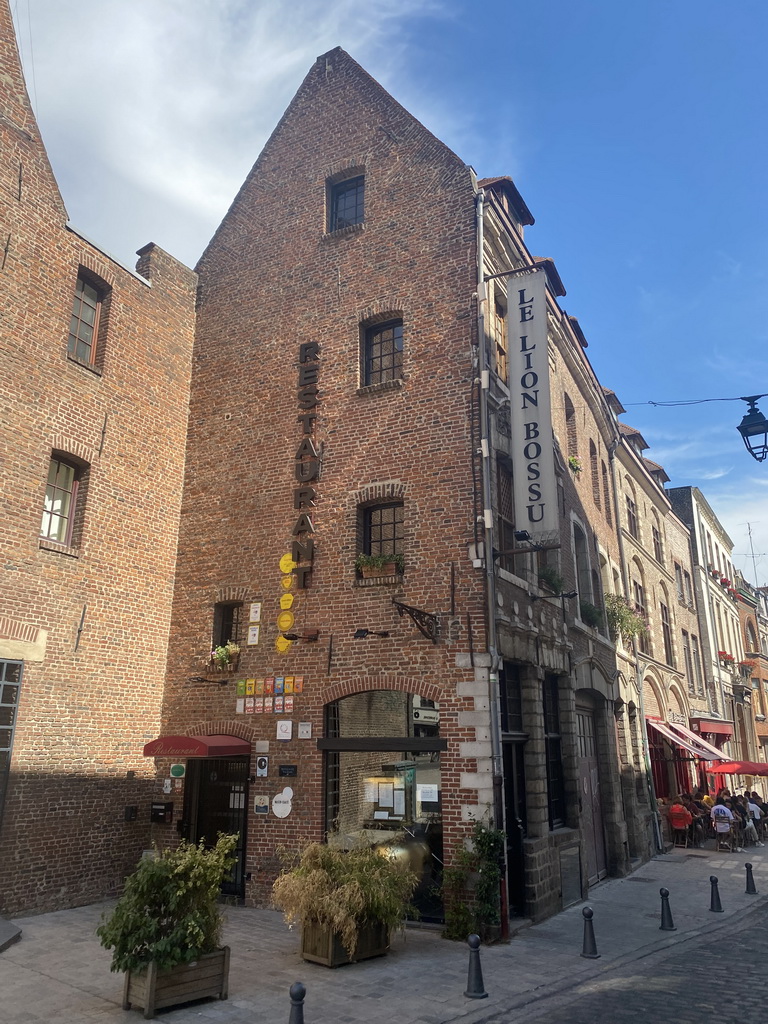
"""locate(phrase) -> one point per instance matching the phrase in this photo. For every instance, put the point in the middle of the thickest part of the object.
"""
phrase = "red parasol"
(739, 768)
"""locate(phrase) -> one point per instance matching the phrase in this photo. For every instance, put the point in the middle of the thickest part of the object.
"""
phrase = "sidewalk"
(59, 973)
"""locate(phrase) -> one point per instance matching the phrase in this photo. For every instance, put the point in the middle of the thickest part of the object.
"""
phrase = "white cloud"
(167, 103)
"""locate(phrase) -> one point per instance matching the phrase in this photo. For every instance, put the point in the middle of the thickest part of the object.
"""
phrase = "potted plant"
(726, 658)
(622, 620)
(346, 901)
(379, 565)
(575, 464)
(226, 657)
(165, 930)
(590, 615)
(550, 579)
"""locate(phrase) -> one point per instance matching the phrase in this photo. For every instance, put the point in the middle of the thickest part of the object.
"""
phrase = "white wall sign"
(284, 730)
(282, 803)
(530, 407)
(254, 612)
(253, 635)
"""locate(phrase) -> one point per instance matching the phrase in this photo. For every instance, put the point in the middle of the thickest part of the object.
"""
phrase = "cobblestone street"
(717, 979)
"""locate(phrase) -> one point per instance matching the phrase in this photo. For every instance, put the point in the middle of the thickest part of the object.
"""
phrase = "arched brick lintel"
(222, 728)
(405, 684)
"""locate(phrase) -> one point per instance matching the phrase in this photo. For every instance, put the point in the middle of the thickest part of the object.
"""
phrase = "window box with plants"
(164, 931)
(623, 621)
(379, 565)
(225, 658)
(550, 579)
(726, 660)
(346, 901)
(574, 463)
(590, 615)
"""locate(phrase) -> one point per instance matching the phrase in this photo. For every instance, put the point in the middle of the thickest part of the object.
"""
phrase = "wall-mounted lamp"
(522, 536)
(310, 637)
(361, 634)
(754, 429)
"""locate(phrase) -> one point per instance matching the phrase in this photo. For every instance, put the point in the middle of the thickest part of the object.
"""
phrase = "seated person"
(739, 820)
(699, 821)
(722, 817)
(742, 809)
(679, 816)
(702, 799)
(755, 814)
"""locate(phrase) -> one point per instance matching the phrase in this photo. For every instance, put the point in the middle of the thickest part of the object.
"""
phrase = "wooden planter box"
(152, 990)
(388, 569)
(320, 945)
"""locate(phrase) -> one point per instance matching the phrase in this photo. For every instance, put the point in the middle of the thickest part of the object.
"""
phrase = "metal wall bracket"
(426, 623)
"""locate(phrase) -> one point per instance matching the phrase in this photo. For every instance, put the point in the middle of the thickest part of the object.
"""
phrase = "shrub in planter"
(472, 886)
(169, 916)
(343, 892)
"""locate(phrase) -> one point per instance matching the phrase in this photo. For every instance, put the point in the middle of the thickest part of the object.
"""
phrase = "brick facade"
(88, 619)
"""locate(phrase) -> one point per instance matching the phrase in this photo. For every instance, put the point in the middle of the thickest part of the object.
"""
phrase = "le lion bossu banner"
(533, 460)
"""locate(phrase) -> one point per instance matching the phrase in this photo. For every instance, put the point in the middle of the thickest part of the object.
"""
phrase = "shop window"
(554, 756)
(346, 205)
(383, 783)
(64, 500)
(382, 355)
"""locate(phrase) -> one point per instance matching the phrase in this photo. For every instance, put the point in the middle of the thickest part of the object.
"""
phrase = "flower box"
(388, 569)
(151, 990)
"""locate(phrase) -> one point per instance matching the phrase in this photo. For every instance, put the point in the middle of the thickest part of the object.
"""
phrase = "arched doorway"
(383, 785)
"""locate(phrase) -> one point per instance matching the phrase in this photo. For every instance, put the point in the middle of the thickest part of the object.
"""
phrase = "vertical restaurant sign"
(533, 460)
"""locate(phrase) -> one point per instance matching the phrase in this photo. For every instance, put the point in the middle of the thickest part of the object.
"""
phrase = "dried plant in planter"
(344, 890)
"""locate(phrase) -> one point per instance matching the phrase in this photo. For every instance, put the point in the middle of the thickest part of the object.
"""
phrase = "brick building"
(404, 496)
(351, 394)
(94, 377)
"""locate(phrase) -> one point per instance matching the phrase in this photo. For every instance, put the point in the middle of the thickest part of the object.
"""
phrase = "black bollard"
(589, 946)
(667, 924)
(475, 988)
(298, 991)
(714, 903)
(751, 889)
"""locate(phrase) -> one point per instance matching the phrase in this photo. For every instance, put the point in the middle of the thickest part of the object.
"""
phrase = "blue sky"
(636, 133)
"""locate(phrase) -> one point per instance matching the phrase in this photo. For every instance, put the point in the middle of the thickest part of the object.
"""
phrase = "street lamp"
(754, 429)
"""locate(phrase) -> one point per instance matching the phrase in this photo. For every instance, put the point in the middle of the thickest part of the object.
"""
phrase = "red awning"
(713, 726)
(710, 753)
(663, 729)
(740, 768)
(197, 746)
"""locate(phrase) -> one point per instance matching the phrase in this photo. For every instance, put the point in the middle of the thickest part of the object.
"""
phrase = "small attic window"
(346, 205)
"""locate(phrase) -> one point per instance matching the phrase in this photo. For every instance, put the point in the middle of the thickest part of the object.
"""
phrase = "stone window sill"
(353, 229)
(379, 581)
(85, 366)
(62, 549)
(385, 385)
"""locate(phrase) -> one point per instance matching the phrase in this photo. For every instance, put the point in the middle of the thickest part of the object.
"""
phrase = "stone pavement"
(59, 973)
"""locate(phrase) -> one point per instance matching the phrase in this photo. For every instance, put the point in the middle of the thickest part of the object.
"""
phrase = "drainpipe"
(497, 771)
